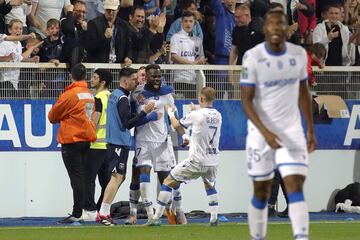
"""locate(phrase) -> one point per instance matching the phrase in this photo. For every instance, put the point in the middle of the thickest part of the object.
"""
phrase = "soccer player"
(119, 122)
(203, 157)
(154, 147)
(134, 193)
(273, 85)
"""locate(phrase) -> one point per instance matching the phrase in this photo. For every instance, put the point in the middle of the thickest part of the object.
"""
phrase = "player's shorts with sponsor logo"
(290, 159)
(117, 157)
(189, 170)
(157, 155)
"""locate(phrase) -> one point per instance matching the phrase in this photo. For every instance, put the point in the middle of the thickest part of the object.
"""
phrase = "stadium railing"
(47, 81)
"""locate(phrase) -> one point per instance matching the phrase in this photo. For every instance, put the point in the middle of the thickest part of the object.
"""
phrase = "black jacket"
(73, 50)
(5, 8)
(98, 46)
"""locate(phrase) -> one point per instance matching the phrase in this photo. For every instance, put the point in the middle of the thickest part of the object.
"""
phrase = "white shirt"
(205, 136)
(320, 35)
(47, 9)
(18, 12)
(11, 74)
(276, 79)
(189, 48)
(2, 37)
(154, 131)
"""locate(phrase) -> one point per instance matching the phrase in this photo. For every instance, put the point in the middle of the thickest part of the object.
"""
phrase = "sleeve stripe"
(305, 79)
(183, 125)
(245, 84)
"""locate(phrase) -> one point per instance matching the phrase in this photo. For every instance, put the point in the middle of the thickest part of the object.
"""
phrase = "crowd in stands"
(172, 31)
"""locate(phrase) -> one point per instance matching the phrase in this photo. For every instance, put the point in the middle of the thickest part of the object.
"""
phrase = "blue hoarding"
(24, 126)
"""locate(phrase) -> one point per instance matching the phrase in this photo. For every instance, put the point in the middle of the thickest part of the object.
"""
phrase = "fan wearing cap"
(96, 161)
(108, 37)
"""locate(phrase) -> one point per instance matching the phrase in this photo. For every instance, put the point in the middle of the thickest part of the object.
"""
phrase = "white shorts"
(189, 170)
(262, 159)
(159, 156)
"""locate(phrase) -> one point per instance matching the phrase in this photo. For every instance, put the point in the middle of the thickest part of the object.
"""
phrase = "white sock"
(177, 199)
(299, 216)
(105, 209)
(145, 194)
(212, 197)
(257, 218)
(134, 195)
(163, 198)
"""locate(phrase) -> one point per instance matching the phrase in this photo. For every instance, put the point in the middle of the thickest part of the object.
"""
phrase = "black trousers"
(95, 165)
(277, 180)
(75, 157)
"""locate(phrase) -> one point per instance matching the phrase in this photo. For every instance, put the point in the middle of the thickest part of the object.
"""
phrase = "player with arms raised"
(203, 157)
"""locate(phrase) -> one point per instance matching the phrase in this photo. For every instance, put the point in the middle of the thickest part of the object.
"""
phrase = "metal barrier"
(47, 81)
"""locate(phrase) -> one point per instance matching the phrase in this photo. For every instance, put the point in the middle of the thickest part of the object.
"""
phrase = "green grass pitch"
(227, 231)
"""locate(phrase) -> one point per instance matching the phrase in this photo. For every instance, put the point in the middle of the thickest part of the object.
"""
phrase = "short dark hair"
(134, 8)
(78, 72)
(152, 66)
(188, 14)
(275, 5)
(104, 75)
(127, 72)
(276, 13)
(187, 3)
(327, 7)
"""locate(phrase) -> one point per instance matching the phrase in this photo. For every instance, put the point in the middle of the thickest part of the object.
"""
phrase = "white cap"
(111, 4)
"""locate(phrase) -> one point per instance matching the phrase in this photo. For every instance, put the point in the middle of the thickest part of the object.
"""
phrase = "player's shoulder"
(254, 53)
(295, 49)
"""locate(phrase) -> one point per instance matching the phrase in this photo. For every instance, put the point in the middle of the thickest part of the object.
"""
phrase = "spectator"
(11, 51)
(95, 9)
(321, 5)
(316, 54)
(352, 13)
(5, 8)
(243, 36)
(224, 26)
(142, 36)
(187, 5)
(259, 8)
(42, 11)
(19, 12)
(355, 45)
(74, 28)
(76, 131)
(152, 7)
(303, 13)
(334, 36)
(50, 50)
(186, 49)
(108, 38)
(208, 26)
